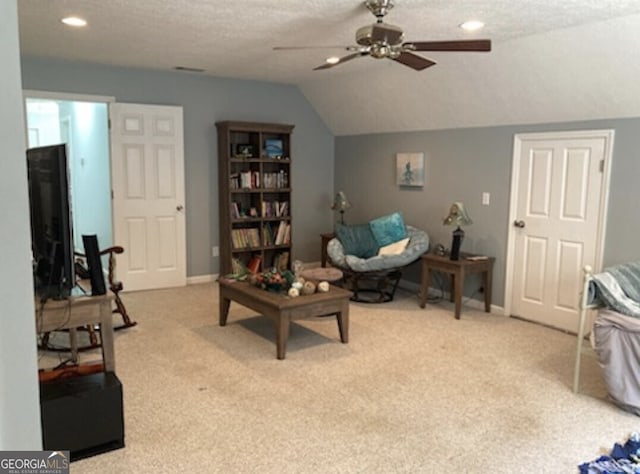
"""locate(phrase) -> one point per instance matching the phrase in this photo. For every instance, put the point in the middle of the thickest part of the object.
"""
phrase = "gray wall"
(460, 165)
(206, 100)
(19, 397)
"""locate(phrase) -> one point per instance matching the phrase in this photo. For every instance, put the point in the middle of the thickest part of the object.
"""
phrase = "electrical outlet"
(215, 251)
(486, 199)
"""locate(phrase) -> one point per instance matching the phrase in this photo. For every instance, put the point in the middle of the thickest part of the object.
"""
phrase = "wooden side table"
(323, 249)
(78, 311)
(458, 269)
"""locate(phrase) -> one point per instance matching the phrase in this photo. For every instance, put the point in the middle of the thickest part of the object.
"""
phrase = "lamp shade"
(340, 203)
(457, 215)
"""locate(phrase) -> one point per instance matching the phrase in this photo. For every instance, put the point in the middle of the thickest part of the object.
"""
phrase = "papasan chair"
(372, 255)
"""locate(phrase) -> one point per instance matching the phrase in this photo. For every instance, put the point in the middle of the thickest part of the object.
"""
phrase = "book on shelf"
(283, 179)
(253, 237)
(278, 179)
(245, 237)
(266, 209)
(283, 209)
(281, 261)
(247, 180)
(287, 235)
(237, 267)
(282, 233)
(235, 210)
(275, 208)
(254, 264)
(267, 235)
(237, 240)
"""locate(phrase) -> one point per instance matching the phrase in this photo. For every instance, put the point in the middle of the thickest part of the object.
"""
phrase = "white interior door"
(558, 204)
(147, 161)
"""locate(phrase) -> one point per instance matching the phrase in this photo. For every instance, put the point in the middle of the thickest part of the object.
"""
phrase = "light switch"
(486, 199)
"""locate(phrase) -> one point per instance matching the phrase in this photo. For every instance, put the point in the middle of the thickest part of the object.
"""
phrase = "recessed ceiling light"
(333, 60)
(74, 21)
(472, 25)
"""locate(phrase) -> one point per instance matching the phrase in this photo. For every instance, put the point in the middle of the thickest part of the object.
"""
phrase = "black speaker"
(92, 251)
(82, 414)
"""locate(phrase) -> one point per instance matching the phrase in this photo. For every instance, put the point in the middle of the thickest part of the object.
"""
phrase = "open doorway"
(84, 127)
(127, 180)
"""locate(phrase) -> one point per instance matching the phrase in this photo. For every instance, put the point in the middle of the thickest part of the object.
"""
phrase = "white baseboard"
(194, 280)
(404, 284)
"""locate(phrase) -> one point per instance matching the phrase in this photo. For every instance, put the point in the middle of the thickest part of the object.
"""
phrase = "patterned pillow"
(388, 229)
(357, 240)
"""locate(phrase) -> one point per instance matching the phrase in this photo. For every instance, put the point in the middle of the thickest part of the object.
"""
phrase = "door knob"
(179, 208)
(519, 224)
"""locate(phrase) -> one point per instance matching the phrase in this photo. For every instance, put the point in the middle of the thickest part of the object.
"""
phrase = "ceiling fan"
(383, 40)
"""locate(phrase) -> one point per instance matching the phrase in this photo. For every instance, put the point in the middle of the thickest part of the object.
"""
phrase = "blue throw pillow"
(388, 229)
(357, 240)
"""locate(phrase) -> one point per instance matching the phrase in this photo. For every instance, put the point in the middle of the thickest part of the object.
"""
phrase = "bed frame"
(582, 311)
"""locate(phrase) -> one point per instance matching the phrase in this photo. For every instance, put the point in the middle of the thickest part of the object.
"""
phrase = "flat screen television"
(51, 223)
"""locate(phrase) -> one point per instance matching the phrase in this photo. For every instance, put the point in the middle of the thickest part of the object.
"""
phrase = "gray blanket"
(617, 343)
(618, 288)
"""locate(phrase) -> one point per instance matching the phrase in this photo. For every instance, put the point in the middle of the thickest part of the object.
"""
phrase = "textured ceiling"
(546, 55)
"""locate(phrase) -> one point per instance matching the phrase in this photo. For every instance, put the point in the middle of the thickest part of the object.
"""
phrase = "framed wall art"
(244, 150)
(410, 169)
(273, 147)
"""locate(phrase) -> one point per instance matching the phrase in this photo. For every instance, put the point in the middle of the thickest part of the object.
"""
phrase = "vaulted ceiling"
(551, 60)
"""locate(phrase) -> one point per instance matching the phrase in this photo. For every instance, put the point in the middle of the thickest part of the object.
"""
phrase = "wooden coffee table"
(283, 309)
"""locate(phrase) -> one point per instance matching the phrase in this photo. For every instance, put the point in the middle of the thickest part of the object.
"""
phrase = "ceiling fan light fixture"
(472, 25)
(74, 21)
(394, 53)
(382, 40)
(379, 51)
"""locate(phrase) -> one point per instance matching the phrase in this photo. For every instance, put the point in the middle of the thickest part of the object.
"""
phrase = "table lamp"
(457, 217)
(341, 203)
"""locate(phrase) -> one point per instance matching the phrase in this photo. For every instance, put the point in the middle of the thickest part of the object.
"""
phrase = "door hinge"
(109, 124)
(112, 194)
(601, 166)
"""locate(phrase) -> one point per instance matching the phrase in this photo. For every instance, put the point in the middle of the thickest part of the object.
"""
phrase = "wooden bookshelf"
(254, 186)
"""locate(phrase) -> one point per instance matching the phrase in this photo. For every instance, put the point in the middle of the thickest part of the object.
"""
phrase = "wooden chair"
(115, 287)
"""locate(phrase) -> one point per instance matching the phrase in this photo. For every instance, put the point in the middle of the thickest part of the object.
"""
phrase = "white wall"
(43, 123)
(87, 139)
(90, 170)
(19, 398)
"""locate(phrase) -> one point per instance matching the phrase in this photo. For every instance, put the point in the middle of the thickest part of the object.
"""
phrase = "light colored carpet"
(414, 390)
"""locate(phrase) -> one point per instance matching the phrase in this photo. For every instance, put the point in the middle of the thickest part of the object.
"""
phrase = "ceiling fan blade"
(460, 45)
(414, 61)
(288, 48)
(343, 59)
